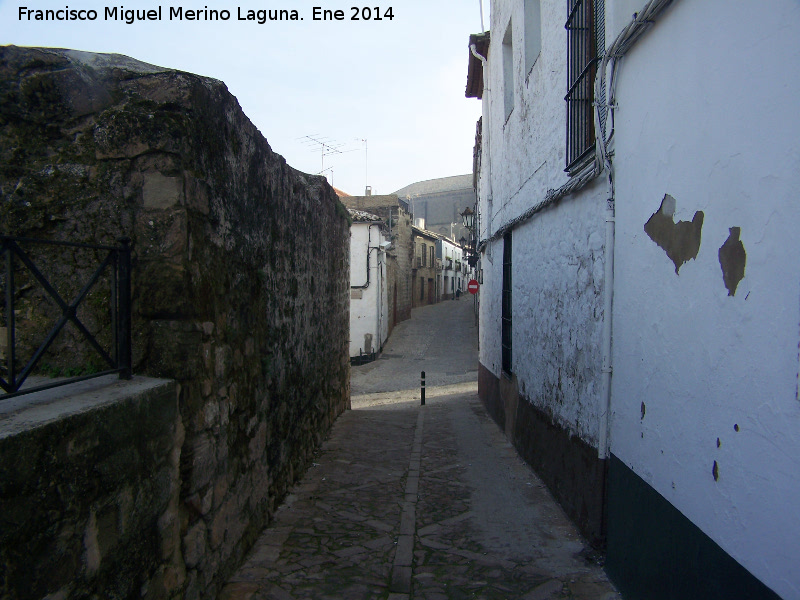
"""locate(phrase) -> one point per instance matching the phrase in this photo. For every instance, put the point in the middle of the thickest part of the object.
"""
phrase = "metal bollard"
(422, 388)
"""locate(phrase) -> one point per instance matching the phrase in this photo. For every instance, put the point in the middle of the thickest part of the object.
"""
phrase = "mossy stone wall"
(240, 271)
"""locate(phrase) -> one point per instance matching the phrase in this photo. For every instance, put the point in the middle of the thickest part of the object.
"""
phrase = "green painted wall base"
(656, 553)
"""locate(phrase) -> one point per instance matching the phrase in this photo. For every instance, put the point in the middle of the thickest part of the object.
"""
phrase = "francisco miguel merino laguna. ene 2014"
(175, 13)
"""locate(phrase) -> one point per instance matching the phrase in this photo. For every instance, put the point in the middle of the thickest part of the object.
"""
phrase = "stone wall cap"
(103, 62)
(37, 409)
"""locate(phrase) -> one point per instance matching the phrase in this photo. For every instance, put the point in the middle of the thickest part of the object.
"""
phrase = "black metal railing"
(118, 359)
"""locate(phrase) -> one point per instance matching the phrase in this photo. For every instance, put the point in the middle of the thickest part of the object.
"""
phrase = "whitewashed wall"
(708, 113)
(558, 311)
(490, 309)
(368, 314)
(454, 251)
(557, 255)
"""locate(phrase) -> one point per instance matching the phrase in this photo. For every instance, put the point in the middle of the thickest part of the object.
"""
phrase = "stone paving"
(425, 502)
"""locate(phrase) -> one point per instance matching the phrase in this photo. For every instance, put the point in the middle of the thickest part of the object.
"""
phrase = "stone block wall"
(240, 271)
(89, 494)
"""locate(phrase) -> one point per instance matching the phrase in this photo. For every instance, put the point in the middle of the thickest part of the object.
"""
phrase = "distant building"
(440, 202)
(340, 193)
(425, 269)
(369, 318)
(397, 225)
(454, 268)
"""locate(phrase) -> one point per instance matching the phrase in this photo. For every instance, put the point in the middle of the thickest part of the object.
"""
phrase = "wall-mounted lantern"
(468, 217)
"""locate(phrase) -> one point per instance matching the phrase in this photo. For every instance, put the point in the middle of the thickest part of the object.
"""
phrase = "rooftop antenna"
(324, 145)
(366, 164)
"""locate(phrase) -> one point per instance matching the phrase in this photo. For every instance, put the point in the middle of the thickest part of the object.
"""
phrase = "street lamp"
(468, 217)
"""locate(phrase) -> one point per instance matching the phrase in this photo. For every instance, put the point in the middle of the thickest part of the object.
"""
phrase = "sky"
(386, 96)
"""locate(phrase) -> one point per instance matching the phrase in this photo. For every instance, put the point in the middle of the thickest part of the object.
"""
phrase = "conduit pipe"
(641, 22)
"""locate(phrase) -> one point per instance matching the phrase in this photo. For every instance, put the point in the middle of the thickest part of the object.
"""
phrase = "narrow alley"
(430, 502)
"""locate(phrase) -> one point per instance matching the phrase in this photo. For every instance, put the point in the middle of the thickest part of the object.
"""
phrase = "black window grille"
(506, 309)
(585, 46)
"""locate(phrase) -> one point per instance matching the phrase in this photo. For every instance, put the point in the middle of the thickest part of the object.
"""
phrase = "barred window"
(585, 45)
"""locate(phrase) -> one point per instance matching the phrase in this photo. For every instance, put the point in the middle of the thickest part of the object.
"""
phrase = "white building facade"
(640, 313)
(369, 308)
(453, 268)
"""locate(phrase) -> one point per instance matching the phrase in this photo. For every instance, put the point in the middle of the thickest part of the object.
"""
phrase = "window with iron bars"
(585, 46)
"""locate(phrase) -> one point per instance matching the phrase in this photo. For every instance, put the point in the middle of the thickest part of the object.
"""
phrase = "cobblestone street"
(406, 501)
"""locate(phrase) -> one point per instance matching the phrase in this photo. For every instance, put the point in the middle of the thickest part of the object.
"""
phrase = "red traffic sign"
(472, 286)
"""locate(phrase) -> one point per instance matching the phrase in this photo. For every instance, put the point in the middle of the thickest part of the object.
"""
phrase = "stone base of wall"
(89, 486)
(656, 553)
(568, 466)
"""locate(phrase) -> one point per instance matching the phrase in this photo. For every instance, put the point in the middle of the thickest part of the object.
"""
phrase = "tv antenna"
(366, 161)
(324, 145)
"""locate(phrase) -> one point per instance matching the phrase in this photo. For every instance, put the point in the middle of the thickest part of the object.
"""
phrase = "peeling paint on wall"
(681, 240)
(732, 259)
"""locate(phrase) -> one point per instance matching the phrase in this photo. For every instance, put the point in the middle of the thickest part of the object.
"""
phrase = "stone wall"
(240, 271)
(89, 484)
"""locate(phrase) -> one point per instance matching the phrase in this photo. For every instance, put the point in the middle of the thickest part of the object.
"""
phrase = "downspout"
(604, 161)
(640, 24)
(608, 305)
(485, 133)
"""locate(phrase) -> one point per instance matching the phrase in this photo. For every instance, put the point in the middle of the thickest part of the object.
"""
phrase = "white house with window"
(640, 309)
(451, 255)
(369, 302)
